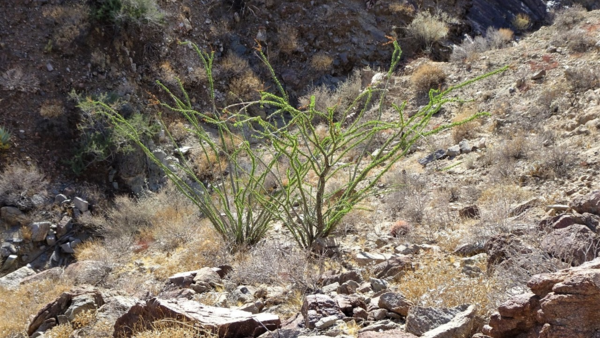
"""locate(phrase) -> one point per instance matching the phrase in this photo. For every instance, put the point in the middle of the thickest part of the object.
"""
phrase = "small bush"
(498, 38)
(521, 22)
(245, 87)
(428, 29)
(568, 17)
(427, 76)
(16, 79)
(233, 65)
(469, 48)
(287, 38)
(52, 109)
(583, 78)
(466, 131)
(5, 137)
(128, 11)
(321, 62)
(20, 181)
(406, 9)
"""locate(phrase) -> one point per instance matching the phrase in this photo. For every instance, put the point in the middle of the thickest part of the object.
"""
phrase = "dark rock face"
(500, 13)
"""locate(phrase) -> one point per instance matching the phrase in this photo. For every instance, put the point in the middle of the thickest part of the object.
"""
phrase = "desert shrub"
(406, 9)
(427, 76)
(52, 109)
(19, 181)
(439, 282)
(127, 11)
(554, 161)
(5, 137)
(274, 263)
(246, 86)
(428, 28)
(498, 38)
(466, 131)
(98, 141)
(233, 65)
(16, 79)
(338, 98)
(469, 48)
(321, 62)
(521, 22)
(304, 202)
(583, 77)
(568, 17)
(287, 38)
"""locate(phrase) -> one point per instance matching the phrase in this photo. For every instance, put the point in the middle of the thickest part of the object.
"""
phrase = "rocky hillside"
(487, 229)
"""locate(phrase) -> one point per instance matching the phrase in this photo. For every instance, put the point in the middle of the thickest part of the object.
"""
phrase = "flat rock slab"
(222, 321)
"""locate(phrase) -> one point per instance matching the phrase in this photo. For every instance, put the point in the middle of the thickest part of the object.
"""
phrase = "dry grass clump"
(553, 162)
(427, 76)
(428, 28)
(52, 109)
(246, 86)
(205, 247)
(71, 22)
(17, 305)
(21, 181)
(521, 22)
(583, 77)
(287, 38)
(402, 8)
(16, 79)
(568, 17)
(470, 48)
(340, 97)
(577, 41)
(178, 131)
(321, 62)
(233, 65)
(60, 331)
(468, 130)
(171, 328)
(207, 166)
(439, 282)
(272, 262)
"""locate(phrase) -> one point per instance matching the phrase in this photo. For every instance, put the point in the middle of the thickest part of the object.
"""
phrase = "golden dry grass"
(321, 62)
(245, 87)
(522, 21)
(233, 65)
(60, 331)
(439, 282)
(16, 306)
(406, 9)
(52, 109)
(506, 34)
(287, 38)
(427, 76)
(468, 130)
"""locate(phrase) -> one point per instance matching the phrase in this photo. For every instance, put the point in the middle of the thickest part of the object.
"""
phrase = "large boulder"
(226, 323)
(13, 279)
(87, 272)
(562, 304)
(589, 203)
(393, 266)
(395, 302)
(461, 326)
(574, 244)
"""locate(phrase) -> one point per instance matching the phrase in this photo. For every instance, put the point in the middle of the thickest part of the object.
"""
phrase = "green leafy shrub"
(98, 140)
(5, 136)
(305, 176)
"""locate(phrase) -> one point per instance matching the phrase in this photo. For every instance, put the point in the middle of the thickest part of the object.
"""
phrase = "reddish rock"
(393, 266)
(395, 302)
(589, 203)
(502, 247)
(564, 304)
(574, 244)
(226, 323)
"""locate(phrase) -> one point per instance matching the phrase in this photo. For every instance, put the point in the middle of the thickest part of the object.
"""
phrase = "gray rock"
(395, 302)
(331, 287)
(366, 258)
(465, 146)
(360, 313)
(66, 248)
(378, 284)
(383, 325)
(81, 204)
(326, 322)
(64, 226)
(228, 323)
(13, 279)
(461, 326)
(51, 239)
(437, 155)
(58, 199)
(407, 249)
(39, 230)
(423, 319)
(378, 314)
(348, 288)
(87, 272)
(79, 304)
(453, 151)
(316, 307)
